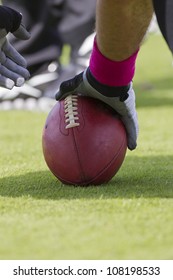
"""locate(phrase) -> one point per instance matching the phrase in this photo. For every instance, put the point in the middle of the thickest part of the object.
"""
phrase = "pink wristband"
(112, 73)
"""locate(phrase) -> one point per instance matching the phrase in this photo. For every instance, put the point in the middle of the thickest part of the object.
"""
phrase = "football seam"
(100, 173)
(78, 157)
(107, 166)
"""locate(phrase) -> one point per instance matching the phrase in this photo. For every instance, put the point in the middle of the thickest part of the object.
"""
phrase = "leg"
(121, 26)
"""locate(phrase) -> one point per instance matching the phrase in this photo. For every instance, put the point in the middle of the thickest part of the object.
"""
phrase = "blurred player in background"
(53, 24)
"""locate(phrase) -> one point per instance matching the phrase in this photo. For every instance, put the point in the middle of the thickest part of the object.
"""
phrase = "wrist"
(109, 72)
(108, 91)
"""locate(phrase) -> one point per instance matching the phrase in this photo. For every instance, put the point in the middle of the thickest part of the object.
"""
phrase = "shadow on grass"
(139, 177)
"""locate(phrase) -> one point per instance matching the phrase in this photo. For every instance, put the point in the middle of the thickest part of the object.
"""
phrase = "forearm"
(121, 26)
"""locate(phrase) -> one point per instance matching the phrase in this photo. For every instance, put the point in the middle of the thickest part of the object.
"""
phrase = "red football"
(84, 141)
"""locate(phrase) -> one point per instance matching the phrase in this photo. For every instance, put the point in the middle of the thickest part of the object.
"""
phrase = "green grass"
(129, 218)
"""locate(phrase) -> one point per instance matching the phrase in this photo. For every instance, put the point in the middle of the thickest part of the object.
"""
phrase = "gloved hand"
(121, 99)
(13, 70)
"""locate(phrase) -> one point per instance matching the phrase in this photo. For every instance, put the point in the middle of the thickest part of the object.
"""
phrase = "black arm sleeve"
(9, 19)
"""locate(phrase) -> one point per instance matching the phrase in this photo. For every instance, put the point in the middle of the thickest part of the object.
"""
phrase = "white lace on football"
(70, 105)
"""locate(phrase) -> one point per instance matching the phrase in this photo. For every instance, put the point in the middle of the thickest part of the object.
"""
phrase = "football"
(84, 141)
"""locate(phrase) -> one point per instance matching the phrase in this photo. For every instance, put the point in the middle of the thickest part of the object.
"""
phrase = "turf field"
(129, 218)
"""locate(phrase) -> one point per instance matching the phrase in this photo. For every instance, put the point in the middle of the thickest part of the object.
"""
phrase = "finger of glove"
(6, 82)
(131, 126)
(11, 65)
(21, 71)
(11, 52)
(17, 79)
(22, 33)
